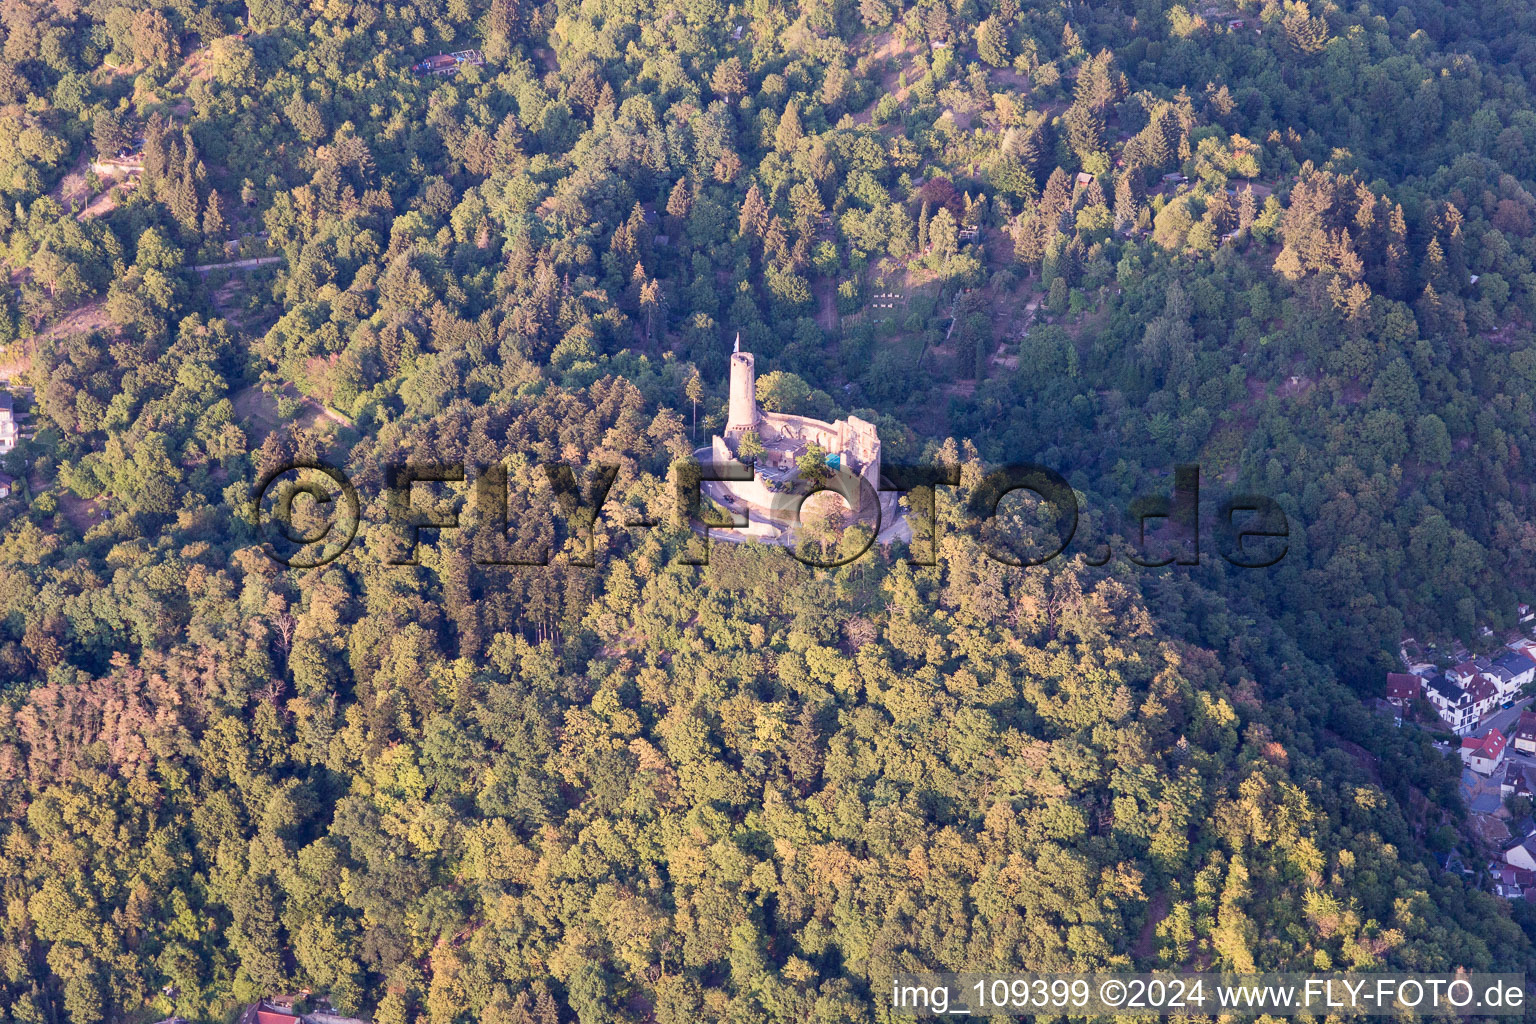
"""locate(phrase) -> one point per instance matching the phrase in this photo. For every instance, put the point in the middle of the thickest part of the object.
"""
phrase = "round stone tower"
(743, 414)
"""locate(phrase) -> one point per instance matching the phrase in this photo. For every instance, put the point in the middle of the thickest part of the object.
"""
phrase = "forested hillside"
(1292, 243)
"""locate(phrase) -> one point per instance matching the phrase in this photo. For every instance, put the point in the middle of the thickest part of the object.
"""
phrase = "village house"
(8, 430)
(283, 1010)
(1522, 854)
(1466, 671)
(271, 1010)
(1403, 689)
(1482, 754)
(1515, 783)
(1511, 882)
(1525, 733)
(1520, 668)
(1485, 693)
(1454, 704)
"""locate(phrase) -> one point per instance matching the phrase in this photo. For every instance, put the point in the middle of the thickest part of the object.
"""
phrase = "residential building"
(1464, 673)
(1485, 693)
(6, 486)
(1453, 703)
(1402, 688)
(1520, 667)
(272, 1010)
(8, 431)
(1525, 733)
(1522, 854)
(282, 1010)
(1482, 754)
(1515, 783)
(1511, 882)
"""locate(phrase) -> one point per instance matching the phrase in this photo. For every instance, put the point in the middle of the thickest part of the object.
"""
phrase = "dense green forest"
(1292, 243)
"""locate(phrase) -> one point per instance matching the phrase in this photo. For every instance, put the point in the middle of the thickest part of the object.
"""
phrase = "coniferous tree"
(1093, 193)
(729, 80)
(788, 133)
(680, 201)
(754, 213)
(1056, 199)
(1247, 208)
(1126, 203)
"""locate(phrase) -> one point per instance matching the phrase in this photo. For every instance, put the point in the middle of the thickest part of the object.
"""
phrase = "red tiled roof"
(1401, 686)
(274, 1017)
(1526, 727)
(1490, 746)
(1511, 875)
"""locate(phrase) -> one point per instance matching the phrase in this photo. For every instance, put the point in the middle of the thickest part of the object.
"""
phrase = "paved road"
(1503, 719)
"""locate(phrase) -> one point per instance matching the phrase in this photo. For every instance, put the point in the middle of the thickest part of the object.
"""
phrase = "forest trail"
(826, 303)
(255, 261)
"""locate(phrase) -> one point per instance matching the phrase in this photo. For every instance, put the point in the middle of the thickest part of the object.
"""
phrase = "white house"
(1484, 753)
(1485, 691)
(1522, 854)
(7, 422)
(1519, 665)
(1525, 733)
(1454, 704)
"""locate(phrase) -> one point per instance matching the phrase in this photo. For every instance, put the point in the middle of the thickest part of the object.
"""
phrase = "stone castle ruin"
(852, 446)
